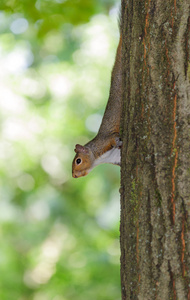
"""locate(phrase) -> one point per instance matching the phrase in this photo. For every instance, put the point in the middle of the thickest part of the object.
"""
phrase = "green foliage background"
(59, 236)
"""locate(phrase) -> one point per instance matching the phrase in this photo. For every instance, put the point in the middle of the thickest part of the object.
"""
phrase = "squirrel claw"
(118, 143)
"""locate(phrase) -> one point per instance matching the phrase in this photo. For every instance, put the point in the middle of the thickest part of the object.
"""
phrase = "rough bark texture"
(155, 172)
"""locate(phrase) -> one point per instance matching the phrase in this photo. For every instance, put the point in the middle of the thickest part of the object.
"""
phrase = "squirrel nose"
(74, 176)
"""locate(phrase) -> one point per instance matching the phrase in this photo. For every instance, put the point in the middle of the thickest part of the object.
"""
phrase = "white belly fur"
(112, 156)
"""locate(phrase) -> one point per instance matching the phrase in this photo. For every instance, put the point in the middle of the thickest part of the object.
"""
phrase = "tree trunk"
(155, 171)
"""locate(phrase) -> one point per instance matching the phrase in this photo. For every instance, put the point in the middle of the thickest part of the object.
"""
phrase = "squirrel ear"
(80, 148)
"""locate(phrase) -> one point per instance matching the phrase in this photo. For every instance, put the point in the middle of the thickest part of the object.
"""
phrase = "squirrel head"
(82, 162)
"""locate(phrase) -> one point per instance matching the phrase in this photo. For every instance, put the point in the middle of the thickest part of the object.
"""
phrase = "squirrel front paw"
(111, 142)
(118, 142)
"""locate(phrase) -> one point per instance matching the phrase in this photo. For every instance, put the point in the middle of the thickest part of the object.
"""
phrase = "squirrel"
(106, 146)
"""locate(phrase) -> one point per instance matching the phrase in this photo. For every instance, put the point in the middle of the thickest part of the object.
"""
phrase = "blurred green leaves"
(50, 14)
(59, 236)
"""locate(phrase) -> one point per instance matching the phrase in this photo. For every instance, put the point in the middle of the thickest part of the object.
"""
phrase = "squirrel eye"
(78, 161)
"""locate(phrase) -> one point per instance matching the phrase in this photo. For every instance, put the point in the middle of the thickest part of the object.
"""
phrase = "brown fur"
(108, 134)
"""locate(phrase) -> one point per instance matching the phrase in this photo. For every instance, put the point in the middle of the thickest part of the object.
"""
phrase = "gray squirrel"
(106, 146)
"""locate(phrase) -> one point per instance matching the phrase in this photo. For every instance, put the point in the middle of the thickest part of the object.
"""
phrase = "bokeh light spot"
(19, 26)
(93, 122)
(26, 182)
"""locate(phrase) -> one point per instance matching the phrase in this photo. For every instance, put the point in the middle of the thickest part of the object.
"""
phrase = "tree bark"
(155, 170)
